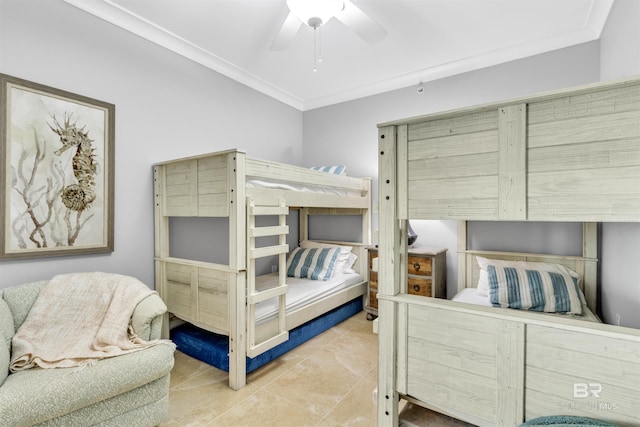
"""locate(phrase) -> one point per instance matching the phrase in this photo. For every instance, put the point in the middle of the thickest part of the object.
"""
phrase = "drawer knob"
(416, 266)
(416, 288)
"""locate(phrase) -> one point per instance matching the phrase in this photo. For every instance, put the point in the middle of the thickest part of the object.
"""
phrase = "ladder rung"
(267, 294)
(268, 251)
(268, 231)
(267, 344)
(269, 210)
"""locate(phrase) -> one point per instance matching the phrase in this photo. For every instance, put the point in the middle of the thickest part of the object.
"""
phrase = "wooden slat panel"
(610, 348)
(586, 104)
(546, 388)
(454, 145)
(423, 352)
(213, 162)
(450, 167)
(461, 391)
(180, 190)
(479, 209)
(510, 359)
(459, 330)
(611, 194)
(623, 373)
(584, 208)
(611, 181)
(213, 205)
(464, 123)
(512, 182)
(178, 288)
(213, 187)
(213, 311)
(596, 155)
(468, 188)
(586, 129)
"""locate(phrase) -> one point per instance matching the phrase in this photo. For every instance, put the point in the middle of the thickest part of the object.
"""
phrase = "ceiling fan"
(315, 13)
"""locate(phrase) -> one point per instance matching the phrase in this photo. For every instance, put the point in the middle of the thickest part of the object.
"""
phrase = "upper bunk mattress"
(301, 292)
(471, 296)
(276, 184)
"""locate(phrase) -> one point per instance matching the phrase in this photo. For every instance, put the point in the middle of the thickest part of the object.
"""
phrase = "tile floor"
(326, 382)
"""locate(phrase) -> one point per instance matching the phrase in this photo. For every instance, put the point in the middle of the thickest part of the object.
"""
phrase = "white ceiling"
(426, 40)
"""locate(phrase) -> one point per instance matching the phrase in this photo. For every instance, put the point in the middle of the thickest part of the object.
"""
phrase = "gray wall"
(347, 133)
(620, 266)
(166, 107)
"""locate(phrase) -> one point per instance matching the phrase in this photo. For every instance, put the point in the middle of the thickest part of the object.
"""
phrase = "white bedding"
(301, 292)
(294, 186)
(471, 296)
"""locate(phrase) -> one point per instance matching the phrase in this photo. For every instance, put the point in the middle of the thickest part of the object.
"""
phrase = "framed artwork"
(56, 179)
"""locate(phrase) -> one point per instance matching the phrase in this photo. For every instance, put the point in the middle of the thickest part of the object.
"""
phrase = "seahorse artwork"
(77, 197)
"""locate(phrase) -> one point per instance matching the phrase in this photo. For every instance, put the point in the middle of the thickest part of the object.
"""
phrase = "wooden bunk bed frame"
(220, 298)
(571, 155)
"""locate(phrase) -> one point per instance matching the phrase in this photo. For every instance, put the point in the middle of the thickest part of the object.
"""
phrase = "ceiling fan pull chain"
(315, 49)
(319, 44)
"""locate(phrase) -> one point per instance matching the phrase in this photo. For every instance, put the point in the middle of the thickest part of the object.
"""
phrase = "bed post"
(462, 255)
(161, 240)
(388, 282)
(590, 250)
(237, 275)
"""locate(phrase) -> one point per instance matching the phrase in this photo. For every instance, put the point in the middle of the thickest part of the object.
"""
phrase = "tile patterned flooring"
(326, 382)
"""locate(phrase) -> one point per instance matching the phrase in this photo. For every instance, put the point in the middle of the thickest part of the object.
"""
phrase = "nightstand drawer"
(420, 266)
(426, 276)
(373, 298)
(419, 286)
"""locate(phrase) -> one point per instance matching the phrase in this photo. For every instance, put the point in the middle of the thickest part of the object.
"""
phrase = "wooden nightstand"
(427, 268)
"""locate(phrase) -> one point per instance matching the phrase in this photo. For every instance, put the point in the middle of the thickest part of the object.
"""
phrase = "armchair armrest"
(148, 316)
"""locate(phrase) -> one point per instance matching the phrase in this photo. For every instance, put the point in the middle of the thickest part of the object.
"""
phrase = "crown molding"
(135, 24)
(116, 15)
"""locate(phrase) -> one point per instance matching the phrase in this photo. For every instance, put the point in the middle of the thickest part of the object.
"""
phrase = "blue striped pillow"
(534, 290)
(312, 263)
(337, 170)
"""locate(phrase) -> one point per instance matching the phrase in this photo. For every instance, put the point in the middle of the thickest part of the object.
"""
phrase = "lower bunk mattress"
(213, 349)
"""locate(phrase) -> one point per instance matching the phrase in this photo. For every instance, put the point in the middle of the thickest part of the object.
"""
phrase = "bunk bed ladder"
(279, 291)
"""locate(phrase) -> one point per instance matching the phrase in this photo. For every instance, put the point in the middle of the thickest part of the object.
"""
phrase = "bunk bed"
(571, 155)
(226, 298)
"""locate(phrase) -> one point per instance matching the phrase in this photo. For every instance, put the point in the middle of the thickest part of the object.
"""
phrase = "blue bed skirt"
(214, 349)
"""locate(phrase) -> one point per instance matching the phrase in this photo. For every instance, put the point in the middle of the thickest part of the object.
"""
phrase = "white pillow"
(483, 280)
(344, 261)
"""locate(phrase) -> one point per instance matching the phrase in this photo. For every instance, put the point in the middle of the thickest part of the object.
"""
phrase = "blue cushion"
(312, 263)
(337, 169)
(566, 421)
(534, 290)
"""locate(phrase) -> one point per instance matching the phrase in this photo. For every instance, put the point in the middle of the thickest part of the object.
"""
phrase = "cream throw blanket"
(78, 319)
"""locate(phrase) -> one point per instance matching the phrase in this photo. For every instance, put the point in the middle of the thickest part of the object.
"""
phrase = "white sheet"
(301, 292)
(294, 186)
(471, 296)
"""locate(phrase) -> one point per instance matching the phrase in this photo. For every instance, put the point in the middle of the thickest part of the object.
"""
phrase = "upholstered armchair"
(127, 390)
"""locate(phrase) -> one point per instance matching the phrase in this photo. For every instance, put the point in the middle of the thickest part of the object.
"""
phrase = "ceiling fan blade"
(288, 31)
(358, 21)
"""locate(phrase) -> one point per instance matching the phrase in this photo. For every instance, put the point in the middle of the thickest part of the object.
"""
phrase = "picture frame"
(57, 175)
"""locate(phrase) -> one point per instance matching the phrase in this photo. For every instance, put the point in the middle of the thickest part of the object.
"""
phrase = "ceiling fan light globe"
(310, 11)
